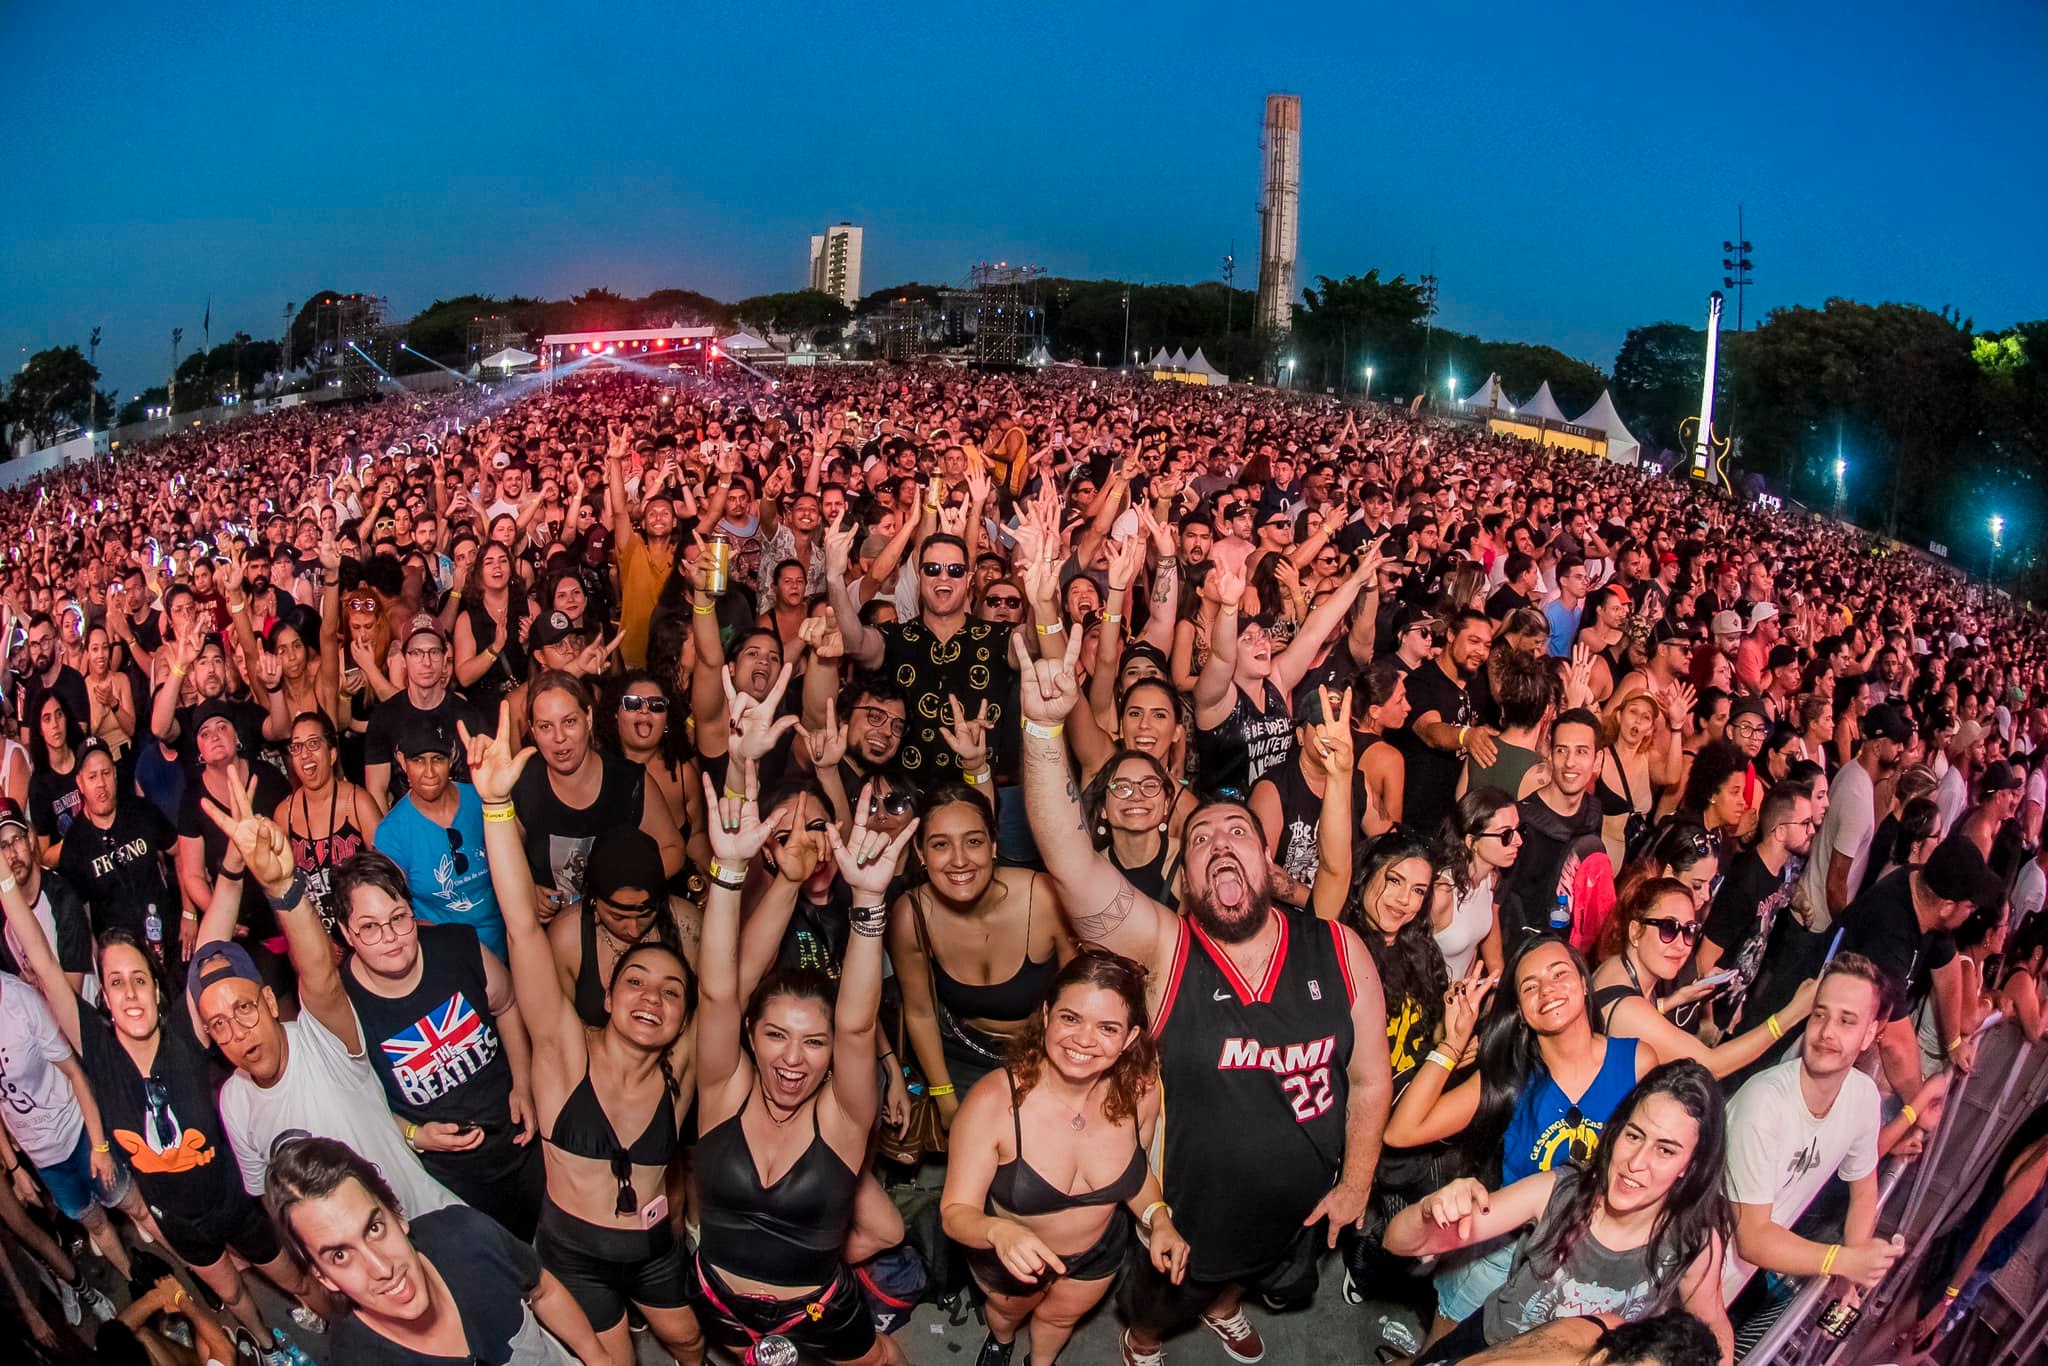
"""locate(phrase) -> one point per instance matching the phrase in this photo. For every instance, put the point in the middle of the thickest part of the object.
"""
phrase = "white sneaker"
(68, 1298)
(1134, 1357)
(102, 1308)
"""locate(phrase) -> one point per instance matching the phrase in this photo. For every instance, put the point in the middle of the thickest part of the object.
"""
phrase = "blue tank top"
(1546, 1121)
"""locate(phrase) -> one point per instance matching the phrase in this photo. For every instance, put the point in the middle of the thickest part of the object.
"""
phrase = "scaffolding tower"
(1006, 313)
(907, 329)
(352, 347)
(490, 333)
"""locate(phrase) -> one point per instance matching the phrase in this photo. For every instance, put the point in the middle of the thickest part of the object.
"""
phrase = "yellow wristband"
(1053, 629)
(1052, 732)
(177, 672)
(705, 609)
(410, 1131)
(103, 1147)
(1906, 1112)
(945, 1090)
(1151, 1210)
(1827, 1263)
(1954, 1292)
(500, 813)
(1955, 1043)
(1771, 1023)
(1443, 1060)
(237, 608)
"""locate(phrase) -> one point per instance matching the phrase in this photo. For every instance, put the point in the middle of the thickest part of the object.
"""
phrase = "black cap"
(12, 814)
(1751, 705)
(423, 733)
(218, 709)
(1999, 777)
(1956, 871)
(1886, 722)
(552, 629)
(1669, 632)
(624, 858)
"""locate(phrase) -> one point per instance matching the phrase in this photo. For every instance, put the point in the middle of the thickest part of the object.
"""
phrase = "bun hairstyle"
(1136, 1069)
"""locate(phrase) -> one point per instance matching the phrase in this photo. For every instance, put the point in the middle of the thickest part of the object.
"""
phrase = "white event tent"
(1543, 407)
(1488, 395)
(1622, 448)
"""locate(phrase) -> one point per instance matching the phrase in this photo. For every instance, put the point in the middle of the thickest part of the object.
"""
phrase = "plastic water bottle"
(1561, 914)
(153, 930)
(293, 1352)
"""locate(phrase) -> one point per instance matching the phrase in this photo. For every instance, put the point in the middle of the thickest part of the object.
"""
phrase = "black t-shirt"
(489, 1275)
(1432, 783)
(1503, 602)
(1739, 922)
(1881, 925)
(973, 664)
(70, 686)
(559, 836)
(176, 1147)
(389, 719)
(53, 801)
(120, 872)
(272, 788)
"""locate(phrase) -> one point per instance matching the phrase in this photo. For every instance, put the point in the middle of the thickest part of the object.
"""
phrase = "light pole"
(171, 393)
(1290, 372)
(1997, 542)
(1452, 385)
(1368, 384)
(1127, 321)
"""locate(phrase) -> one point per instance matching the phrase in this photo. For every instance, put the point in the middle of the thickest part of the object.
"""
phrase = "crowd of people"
(527, 873)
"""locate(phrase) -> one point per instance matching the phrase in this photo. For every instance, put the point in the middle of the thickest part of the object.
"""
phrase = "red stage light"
(593, 348)
(660, 342)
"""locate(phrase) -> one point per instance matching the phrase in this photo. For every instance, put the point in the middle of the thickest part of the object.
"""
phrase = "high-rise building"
(835, 263)
(1280, 212)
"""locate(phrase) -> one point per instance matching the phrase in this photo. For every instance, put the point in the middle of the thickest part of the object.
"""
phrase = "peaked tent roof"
(1180, 358)
(510, 358)
(1543, 406)
(1622, 448)
(745, 341)
(1199, 364)
(1488, 395)
(1039, 356)
(1161, 361)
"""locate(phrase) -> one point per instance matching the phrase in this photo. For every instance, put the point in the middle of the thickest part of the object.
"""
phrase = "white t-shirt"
(1950, 796)
(1781, 1155)
(89, 989)
(332, 1093)
(2029, 890)
(35, 1098)
(1851, 821)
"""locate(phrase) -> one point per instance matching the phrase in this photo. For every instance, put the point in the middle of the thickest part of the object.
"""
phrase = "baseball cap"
(624, 858)
(218, 709)
(1956, 871)
(423, 624)
(423, 733)
(1411, 615)
(1886, 722)
(553, 629)
(12, 814)
(1666, 557)
(1761, 613)
(1998, 777)
(1669, 632)
(223, 960)
(1727, 623)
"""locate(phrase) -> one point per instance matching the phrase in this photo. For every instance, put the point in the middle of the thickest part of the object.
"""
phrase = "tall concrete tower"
(1280, 212)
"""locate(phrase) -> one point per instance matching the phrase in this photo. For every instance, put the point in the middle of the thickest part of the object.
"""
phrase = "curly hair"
(1136, 1069)
(1411, 965)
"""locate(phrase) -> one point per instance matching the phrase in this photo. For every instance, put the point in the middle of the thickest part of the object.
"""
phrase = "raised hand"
(839, 545)
(1578, 678)
(596, 655)
(1125, 558)
(737, 831)
(1224, 586)
(967, 737)
(821, 634)
(493, 767)
(755, 726)
(827, 744)
(867, 858)
(1048, 688)
(263, 847)
(1330, 739)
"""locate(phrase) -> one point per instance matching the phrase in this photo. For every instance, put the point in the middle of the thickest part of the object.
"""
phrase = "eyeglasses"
(363, 605)
(655, 706)
(1669, 929)
(1578, 1143)
(311, 745)
(425, 651)
(402, 925)
(1511, 835)
(241, 1018)
(1750, 727)
(880, 719)
(1136, 787)
(455, 848)
(933, 570)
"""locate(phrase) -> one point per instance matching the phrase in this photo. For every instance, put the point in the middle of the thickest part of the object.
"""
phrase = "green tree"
(880, 300)
(1340, 323)
(1657, 380)
(796, 312)
(52, 392)
(137, 409)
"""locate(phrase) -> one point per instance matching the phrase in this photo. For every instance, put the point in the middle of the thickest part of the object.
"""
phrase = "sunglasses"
(1003, 600)
(1579, 1145)
(656, 706)
(1668, 929)
(897, 804)
(951, 571)
(1511, 835)
(455, 848)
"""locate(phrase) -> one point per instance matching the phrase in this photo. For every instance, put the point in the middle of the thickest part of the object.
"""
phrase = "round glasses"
(1126, 788)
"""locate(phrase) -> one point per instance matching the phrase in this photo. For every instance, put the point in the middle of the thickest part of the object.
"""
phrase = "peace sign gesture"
(264, 850)
(867, 858)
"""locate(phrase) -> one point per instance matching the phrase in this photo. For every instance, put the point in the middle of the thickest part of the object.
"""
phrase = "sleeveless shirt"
(1237, 753)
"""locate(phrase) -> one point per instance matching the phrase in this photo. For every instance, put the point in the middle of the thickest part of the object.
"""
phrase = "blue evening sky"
(1574, 168)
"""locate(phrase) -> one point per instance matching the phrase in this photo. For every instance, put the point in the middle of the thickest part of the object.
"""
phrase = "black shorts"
(243, 1226)
(1155, 1305)
(1098, 1262)
(841, 1329)
(500, 1179)
(604, 1269)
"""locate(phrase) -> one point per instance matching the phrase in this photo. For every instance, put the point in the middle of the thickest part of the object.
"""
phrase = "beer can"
(718, 550)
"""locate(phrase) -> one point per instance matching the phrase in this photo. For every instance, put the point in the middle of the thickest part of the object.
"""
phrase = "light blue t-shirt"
(1564, 626)
(450, 878)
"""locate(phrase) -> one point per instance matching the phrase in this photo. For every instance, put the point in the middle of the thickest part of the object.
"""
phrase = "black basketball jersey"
(1255, 1086)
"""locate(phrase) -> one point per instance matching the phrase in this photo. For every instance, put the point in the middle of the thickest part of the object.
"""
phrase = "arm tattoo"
(1162, 589)
(1106, 921)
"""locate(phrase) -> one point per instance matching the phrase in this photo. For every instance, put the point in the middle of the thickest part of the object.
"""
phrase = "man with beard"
(1752, 892)
(1557, 822)
(48, 673)
(646, 553)
(1795, 1126)
(1842, 847)
(936, 656)
(1443, 726)
(1263, 1014)
(428, 670)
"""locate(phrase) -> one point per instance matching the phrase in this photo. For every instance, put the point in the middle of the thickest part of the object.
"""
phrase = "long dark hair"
(1136, 1069)
(1097, 791)
(1468, 818)
(1694, 1216)
(1510, 1058)
(1411, 965)
(676, 749)
(74, 733)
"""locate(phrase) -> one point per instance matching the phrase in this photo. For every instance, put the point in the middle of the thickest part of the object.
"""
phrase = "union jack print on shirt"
(441, 1050)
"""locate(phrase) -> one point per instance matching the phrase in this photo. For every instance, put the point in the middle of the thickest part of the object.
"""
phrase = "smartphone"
(1714, 979)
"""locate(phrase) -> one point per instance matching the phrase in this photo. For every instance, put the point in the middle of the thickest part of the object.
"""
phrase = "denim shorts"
(1463, 1288)
(74, 1189)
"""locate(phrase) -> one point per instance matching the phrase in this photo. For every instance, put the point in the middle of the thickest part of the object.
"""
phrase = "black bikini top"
(1018, 1187)
(583, 1128)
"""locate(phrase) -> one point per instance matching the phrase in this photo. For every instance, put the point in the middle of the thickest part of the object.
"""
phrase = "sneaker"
(277, 1356)
(1240, 1340)
(308, 1320)
(102, 1308)
(68, 1298)
(995, 1353)
(1133, 1357)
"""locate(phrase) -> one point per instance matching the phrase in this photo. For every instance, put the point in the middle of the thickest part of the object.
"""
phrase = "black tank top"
(1301, 819)
(1018, 1188)
(1153, 878)
(1014, 999)
(436, 1048)
(559, 836)
(506, 668)
(1271, 1056)
(317, 855)
(1237, 753)
(790, 1233)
